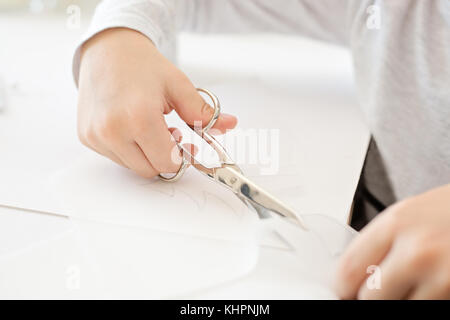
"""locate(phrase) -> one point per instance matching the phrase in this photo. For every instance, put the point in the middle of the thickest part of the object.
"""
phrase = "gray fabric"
(403, 76)
(402, 68)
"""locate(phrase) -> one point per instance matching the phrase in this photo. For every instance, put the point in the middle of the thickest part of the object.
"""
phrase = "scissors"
(231, 176)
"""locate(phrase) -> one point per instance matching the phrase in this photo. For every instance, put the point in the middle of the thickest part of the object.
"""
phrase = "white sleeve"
(159, 20)
(153, 18)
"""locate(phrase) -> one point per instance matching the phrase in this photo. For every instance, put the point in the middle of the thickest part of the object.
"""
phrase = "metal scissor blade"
(243, 187)
(262, 212)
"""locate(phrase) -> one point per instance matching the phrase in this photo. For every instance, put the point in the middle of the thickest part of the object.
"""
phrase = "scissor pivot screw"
(233, 180)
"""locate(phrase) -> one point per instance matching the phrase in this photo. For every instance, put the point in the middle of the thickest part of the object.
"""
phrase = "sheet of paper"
(46, 169)
(78, 258)
(309, 108)
(83, 259)
(100, 190)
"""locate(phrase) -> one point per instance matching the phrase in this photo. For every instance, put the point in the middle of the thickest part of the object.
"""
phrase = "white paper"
(93, 188)
(304, 270)
(99, 260)
(83, 259)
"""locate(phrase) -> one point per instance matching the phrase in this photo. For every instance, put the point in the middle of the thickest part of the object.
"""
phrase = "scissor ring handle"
(216, 106)
(176, 176)
(185, 163)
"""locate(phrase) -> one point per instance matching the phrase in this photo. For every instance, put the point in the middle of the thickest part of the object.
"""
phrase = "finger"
(434, 284)
(369, 248)
(176, 134)
(157, 143)
(136, 160)
(193, 109)
(226, 121)
(435, 289)
(111, 155)
(92, 141)
(393, 279)
(108, 154)
(192, 148)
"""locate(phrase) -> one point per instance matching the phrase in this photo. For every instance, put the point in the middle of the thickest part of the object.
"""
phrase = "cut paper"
(303, 271)
(318, 247)
(92, 188)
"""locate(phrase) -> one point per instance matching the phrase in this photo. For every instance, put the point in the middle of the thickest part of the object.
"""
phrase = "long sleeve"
(153, 18)
(160, 20)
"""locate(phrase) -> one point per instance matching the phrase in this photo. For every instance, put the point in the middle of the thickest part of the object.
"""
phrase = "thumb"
(192, 108)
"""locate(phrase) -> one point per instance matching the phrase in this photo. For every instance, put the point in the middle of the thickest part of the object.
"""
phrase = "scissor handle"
(216, 106)
(204, 134)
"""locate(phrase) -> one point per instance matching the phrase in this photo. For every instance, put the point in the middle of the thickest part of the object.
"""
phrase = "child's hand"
(410, 242)
(125, 88)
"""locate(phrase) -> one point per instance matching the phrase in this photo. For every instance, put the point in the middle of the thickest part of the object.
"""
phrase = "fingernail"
(226, 116)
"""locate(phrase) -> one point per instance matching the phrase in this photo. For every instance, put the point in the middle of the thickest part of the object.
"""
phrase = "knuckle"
(90, 136)
(207, 110)
(85, 134)
(105, 132)
(108, 128)
(168, 164)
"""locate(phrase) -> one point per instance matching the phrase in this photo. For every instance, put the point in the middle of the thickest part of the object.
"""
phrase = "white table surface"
(35, 55)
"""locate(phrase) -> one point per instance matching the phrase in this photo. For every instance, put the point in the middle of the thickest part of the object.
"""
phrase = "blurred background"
(44, 33)
(39, 6)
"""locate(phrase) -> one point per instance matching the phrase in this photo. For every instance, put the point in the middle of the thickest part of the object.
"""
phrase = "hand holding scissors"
(231, 176)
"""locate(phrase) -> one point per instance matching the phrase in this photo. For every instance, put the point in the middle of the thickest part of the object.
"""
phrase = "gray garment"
(402, 68)
(403, 76)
